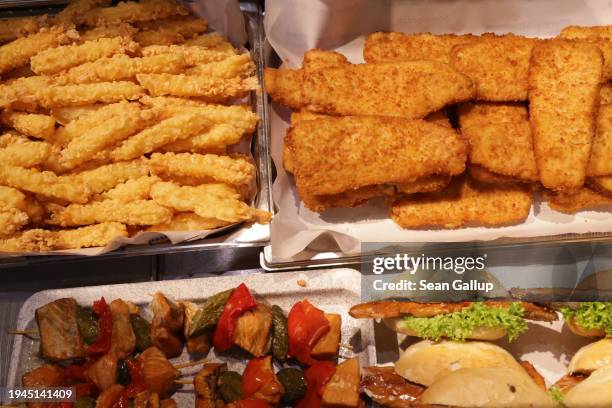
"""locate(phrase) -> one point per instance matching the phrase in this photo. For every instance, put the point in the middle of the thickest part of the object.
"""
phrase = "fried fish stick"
(19, 52)
(218, 201)
(30, 124)
(212, 89)
(498, 65)
(503, 148)
(73, 13)
(483, 175)
(131, 190)
(86, 94)
(219, 136)
(90, 236)
(239, 116)
(235, 66)
(483, 113)
(130, 12)
(426, 184)
(346, 199)
(564, 81)
(187, 26)
(605, 94)
(12, 137)
(11, 198)
(407, 89)
(189, 222)
(463, 202)
(82, 148)
(285, 86)
(167, 131)
(194, 55)
(54, 60)
(122, 67)
(96, 114)
(334, 155)
(27, 154)
(598, 35)
(67, 114)
(393, 47)
(583, 200)
(108, 176)
(14, 28)
(12, 221)
(22, 92)
(599, 162)
(170, 31)
(212, 41)
(601, 185)
(34, 240)
(223, 169)
(139, 212)
(44, 183)
(108, 31)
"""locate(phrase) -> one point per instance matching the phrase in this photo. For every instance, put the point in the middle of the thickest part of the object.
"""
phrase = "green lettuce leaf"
(591, 315)
(460, 325)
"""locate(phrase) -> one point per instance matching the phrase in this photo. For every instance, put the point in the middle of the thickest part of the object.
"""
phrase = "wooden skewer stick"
(190, 363)
(184, 382)
(23, 332)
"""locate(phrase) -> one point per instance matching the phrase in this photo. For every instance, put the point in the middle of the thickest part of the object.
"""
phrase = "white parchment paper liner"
(340, 25)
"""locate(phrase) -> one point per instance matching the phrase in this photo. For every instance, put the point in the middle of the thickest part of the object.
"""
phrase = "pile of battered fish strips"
(118, 120)
(454, 130)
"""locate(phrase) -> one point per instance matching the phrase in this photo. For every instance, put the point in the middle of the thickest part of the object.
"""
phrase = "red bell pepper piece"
(305, 325)
(105, 329)
(240, 301)
(317, 375)
(252, 403)
(135, 387)
(257, 373)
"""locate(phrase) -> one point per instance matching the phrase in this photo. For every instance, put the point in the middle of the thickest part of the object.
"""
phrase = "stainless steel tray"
(331, 290)
(234, 237)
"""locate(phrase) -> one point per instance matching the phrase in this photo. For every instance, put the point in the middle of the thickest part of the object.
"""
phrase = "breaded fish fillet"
(347, 199)
(564, 82)
(584, 199)
(601, 185)
(498, 65)
(600, 163)
(407, 89)
(392, 47)
(605, 94)
(334, 155)
(503, 148)
(463, 202)
(598, 35)
(483, 175)
(482, 113)
(427, 184)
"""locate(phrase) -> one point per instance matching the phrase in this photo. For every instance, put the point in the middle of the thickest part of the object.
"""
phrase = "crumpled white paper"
(225, 17)
(340, 25)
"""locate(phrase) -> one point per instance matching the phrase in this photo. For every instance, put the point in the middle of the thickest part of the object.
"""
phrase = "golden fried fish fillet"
(605, 94)
(598, 35)
(411, 89)
(334, 155)
(427, 184)
(346, 199)
(600, 162)
(498, 65)
(564, 82)
(503, 148)
(463, 202)
(389, 309)
(482, 113)
(584, 199)
(484, 175)
(393, 47)
(602, 185)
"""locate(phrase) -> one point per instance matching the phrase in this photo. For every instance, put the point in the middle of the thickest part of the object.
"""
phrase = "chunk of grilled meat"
(59, 334)
(123, 338)
(253, 329)
(167, 325)
(205, 385)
